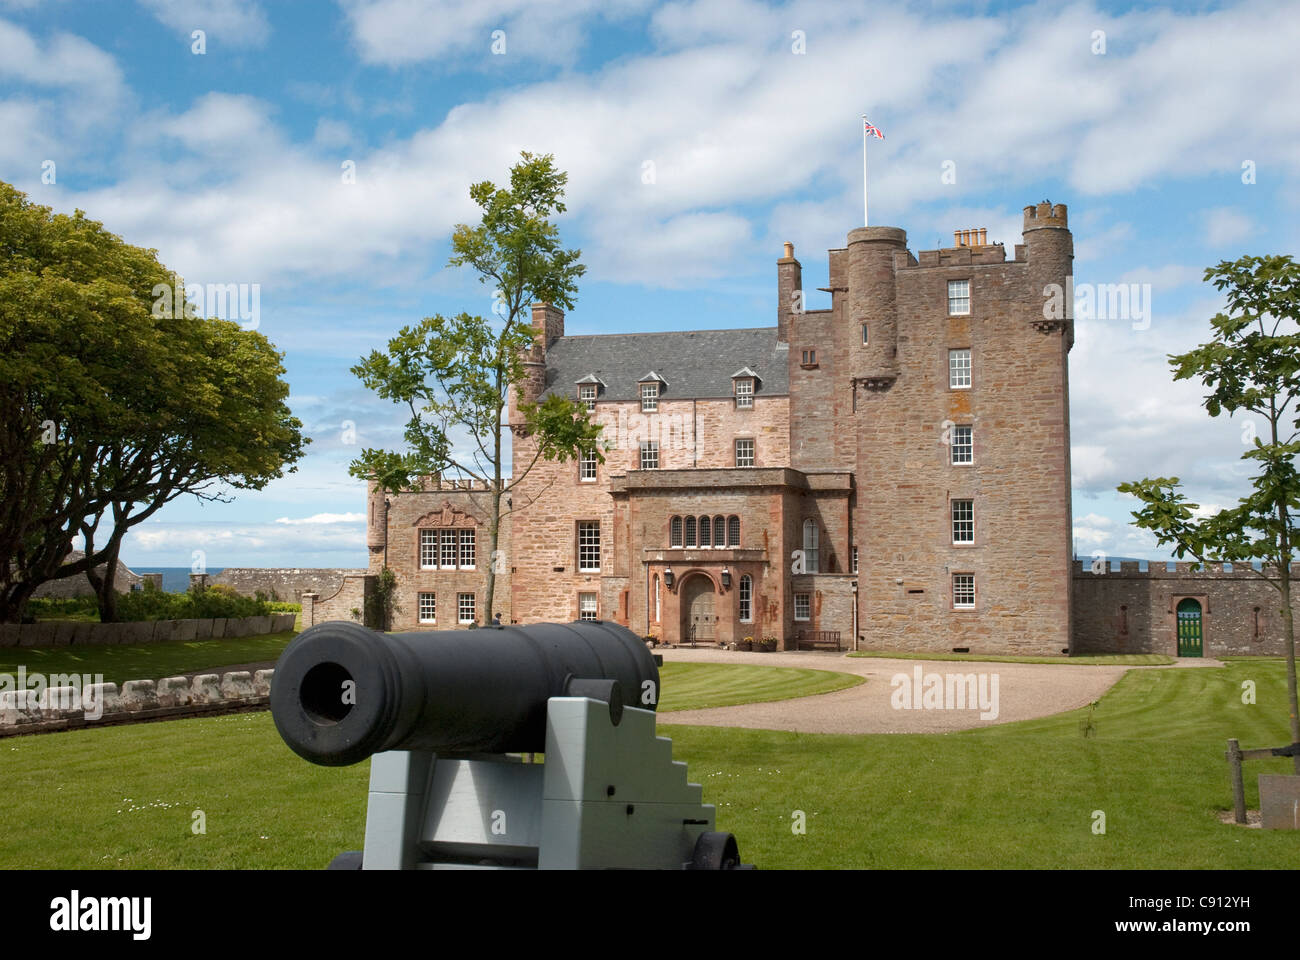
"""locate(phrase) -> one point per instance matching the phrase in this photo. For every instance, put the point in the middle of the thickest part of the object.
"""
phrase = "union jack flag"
(873, 131)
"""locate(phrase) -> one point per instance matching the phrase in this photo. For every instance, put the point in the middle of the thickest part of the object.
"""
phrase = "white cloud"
(1169, 277)
(399, 32)
(727, 122)
(1225, 226)
(321, 518)
(1089, 464)
(1096, 244)
(227, 544)
(332, 133)
(27, 140)
(64, 61)
(228, 20)
(1095, 520)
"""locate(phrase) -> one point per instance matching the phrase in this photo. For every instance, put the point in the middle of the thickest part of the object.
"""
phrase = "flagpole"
(865, 221)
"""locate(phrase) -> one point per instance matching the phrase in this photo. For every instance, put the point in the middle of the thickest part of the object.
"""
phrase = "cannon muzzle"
(343, 692)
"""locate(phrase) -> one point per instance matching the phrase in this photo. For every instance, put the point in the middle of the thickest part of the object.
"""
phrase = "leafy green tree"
(1251, 365)
(454, 373)
(219, 420)
(114, 407)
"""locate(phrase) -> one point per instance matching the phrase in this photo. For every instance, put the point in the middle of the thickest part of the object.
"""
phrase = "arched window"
(706, 532)
(675, 532)
(733, 531)
(719, 531)
(811, 558)
(746, 595)
(690, 531)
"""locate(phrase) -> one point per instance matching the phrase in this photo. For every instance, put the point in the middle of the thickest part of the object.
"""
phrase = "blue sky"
(1147, 121)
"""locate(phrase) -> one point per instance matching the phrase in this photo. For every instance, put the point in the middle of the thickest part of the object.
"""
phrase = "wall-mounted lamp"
(726, 579)
(668, 577)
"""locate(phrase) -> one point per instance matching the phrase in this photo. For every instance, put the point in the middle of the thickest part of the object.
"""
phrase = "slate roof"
(696, 364)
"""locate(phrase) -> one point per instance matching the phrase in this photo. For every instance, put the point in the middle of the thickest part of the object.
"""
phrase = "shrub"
(217, 601)
(71, 608)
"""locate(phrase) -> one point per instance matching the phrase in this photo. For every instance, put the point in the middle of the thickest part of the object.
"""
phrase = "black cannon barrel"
(342, 692)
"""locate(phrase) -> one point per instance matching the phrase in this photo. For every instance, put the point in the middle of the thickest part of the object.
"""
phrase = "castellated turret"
(376, 525)
(872, 297)
(1049, 250)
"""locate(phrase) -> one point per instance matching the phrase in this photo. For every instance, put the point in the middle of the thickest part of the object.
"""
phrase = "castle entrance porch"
(699, 620)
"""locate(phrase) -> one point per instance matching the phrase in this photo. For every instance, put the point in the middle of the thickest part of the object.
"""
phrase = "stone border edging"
(66, 708)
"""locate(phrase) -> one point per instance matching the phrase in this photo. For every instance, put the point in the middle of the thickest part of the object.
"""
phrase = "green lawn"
(1014, 795)
(146, 661)
(1103, 659)
(693, 686)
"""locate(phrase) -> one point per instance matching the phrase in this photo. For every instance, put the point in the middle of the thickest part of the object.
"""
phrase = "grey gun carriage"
(444, 717)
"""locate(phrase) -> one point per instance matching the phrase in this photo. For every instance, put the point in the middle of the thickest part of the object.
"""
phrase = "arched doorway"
(1189, 628)
(699, 620)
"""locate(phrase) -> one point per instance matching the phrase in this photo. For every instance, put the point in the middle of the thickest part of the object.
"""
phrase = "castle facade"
(892, 470)
(891, 473)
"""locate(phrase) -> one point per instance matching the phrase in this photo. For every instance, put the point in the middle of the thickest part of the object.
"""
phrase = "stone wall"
(831, 600)
(441, 507)
(65, 633)
(78, 585)
(1133, 610)
(351, 596)
(283, 583)
(70, 707)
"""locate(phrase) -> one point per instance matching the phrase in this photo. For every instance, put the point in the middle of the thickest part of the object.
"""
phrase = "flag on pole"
(867, 130)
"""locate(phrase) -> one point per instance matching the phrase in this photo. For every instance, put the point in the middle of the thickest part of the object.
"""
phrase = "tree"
(113, 406)
(454, 373)
(222, 421)
(1252, 365)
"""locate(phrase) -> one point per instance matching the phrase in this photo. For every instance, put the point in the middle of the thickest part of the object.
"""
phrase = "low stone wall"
(100, 704)
(67, 633)
(1134, 610)
(351, 595)
(282, 583)
(78, 585)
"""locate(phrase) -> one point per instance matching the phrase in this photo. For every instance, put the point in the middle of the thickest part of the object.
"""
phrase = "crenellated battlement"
(447, 484)
(1171, 569)
(1045, 214)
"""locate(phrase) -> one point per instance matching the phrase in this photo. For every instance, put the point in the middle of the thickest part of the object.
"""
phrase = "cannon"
(446, 717)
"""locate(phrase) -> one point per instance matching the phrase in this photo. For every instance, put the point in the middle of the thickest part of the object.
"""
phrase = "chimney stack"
(789, 292)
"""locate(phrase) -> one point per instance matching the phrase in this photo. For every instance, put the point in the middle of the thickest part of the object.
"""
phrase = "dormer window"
(743, 382)
(588, 391)
(651, 387)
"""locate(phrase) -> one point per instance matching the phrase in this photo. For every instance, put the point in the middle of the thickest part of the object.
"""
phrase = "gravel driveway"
(1024, 691)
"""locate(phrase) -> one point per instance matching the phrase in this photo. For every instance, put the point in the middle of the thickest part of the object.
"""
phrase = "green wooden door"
(1189, 628)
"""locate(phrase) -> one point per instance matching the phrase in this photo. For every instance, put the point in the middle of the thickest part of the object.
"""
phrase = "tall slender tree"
(1251, 366)
(454, 373)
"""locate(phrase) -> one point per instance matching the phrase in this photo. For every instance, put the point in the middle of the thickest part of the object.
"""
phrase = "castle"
(892, 473)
